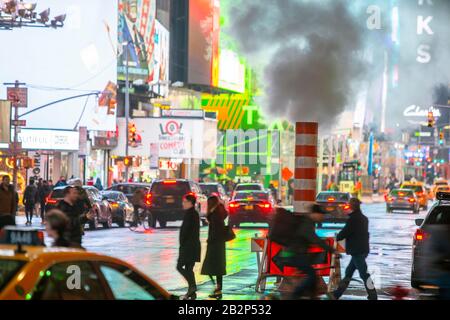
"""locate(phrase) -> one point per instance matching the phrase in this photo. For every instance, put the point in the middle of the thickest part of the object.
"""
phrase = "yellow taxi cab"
(437, 184)
(420, 192)
(31, 271)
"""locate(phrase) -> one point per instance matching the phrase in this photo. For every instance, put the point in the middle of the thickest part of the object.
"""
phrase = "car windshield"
(57, 194)
(127, 188)
(248, 187)
(251, 196)
(209, 188)
(112, 195)
(333, 195)
(402, 193)
(176, 189)
(413, 187)
(8, 268)
(440, 215)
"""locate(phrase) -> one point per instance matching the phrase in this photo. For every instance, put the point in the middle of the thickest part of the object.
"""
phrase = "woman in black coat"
(190, 247)
(215, 260)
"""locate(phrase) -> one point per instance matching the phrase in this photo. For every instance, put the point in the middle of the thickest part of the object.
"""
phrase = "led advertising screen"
(56, 64)
(203, 48)
(144, 42)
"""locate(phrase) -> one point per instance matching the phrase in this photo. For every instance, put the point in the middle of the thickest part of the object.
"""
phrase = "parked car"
(251, 206)
(434, 229)
(120, 206)
(165, 200)
(130, 188)
(214, 188)
(402, 199)
(335, 205)
(101, 208)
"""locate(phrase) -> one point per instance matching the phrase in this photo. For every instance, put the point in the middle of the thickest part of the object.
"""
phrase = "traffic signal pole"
(127, 107)
(15, 151)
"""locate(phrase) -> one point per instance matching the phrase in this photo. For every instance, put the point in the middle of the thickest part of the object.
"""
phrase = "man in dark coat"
(190, 248)
(296, 255)
(43, 192)
(29, 200)
(8, 204)
(356, 236)
(76, 214)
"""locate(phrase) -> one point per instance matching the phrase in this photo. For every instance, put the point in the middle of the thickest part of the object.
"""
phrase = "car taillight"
(148, 199)
(420, 235)
(50, 201)
(114, 204)
(419, 193)
(389, 199)
(192, 194)
(170, 181)
(412, 200)
(265, 205)
(233, 205)
(346, 207)
(331, 199)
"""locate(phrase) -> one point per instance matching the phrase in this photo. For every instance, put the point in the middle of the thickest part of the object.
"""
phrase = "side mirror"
(419, 222)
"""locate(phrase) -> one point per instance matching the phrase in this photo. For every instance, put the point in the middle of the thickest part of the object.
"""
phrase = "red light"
(148, 199)
(192, 194)
(346, 207)
(412, 200)
(390, 199)
(170, 181)
(420, 235)
(114, 204)
(264, 205)
(233, 205)
(40, 235)
(331, 199)
(50, 201)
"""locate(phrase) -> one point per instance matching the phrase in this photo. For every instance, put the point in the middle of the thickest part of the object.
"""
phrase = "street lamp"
(18, 14)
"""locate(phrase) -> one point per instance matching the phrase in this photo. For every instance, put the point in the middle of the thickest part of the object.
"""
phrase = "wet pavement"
(155, 253)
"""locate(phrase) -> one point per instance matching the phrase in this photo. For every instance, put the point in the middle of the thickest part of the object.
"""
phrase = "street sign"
(19, 123)
(17, 96)
(130, 90)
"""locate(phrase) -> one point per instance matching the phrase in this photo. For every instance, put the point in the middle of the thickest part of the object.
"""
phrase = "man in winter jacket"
(8, 204)
(29, 200)
(356, 236)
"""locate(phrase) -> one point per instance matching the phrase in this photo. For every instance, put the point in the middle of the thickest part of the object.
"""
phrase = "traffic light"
(441, 137)
(132, 135)
(128, 161)
(430, 119)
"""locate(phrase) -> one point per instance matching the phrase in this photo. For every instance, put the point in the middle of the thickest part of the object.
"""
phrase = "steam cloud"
(312, 55)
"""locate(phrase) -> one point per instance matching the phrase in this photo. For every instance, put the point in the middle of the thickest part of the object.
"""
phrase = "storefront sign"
(183, 113)
(168, 165)
(416, 111)
(40, 139)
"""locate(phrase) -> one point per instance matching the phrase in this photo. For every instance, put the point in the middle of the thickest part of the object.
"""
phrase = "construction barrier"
(271, 265)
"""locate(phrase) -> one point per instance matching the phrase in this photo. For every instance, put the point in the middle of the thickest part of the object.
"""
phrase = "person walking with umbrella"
(215, 259)
(190, 249)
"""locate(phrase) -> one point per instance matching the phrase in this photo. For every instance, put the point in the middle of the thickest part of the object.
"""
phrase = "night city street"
(225, 158)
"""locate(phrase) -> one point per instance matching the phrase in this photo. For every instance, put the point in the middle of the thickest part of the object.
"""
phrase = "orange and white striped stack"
(305, 166)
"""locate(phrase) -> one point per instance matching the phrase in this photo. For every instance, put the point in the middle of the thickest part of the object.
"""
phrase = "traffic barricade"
(270, 264)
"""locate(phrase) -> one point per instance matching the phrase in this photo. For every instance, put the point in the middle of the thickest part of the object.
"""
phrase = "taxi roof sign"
(22, 236)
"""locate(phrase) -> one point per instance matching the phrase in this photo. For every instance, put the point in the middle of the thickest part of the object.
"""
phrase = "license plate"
(170, 200)
(330, 209)
(248, 208)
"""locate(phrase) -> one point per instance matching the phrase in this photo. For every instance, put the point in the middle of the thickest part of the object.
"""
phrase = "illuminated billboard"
(203, 47)
(56, 64)
(148, 42)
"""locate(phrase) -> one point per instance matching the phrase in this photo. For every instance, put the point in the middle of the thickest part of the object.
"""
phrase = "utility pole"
(15, 150)
(127, 107)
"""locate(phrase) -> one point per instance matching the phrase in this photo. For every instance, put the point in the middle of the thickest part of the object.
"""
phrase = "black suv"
(166, 200)
(130, 188)
(433, 232)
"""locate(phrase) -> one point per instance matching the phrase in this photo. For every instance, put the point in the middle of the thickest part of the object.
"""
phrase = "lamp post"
(127, 105)
(15, 150)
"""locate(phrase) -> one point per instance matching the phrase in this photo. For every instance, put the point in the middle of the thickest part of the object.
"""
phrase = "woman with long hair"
(215, 260)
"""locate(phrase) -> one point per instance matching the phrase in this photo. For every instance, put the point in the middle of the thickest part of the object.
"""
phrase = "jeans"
(187, 271)
(357, 263)
(308, 285)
